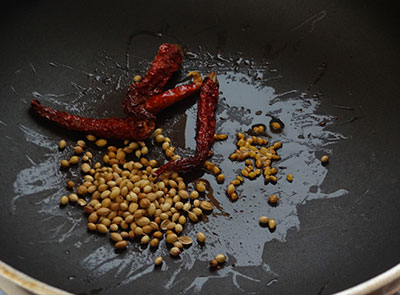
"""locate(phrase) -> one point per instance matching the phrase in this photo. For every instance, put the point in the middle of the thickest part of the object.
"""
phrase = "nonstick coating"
(341, 241)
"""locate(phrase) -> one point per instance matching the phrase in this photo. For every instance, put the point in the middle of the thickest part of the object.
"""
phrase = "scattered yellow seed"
(213, 263)
(158, 260)
(201, 238)
(276, 126)
(101, 228)
(62, 144)
(64, 163)
(273, 199)
(137, 78)
(78, 150)
(325, 159)
(231, 189)
(85, 167)
(200, 187)
(185, 240)
(70, 184)
(221, 178)
(290, 177)
(101, 142)
(64, 200)
(272, 224)
(82, 202)
(263, 220)
(205, 205)
(220, 136)
(121, 244)
(74, 160)
(220, 258)
(91, 137)
(175, 251)
(73, 197)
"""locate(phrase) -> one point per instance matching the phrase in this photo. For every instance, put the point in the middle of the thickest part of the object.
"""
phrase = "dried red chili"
(141, 103)
(167, 61)
(205, 128)
(118, 128)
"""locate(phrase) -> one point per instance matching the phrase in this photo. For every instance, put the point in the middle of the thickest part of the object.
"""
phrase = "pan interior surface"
(301, 63)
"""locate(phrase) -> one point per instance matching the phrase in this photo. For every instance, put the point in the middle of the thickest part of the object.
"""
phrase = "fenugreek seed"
(158, 261)
(200, 187)
(235, 182)
(64, 163)
(101, 228)
(277, 145)
(64, 200)
(234, 196)
(101, 142)
(175, 251)
(145, 240)
(137, 78)
(273, 199)
(220, 136)
(73, 198)
(325, 159)
(171, 238)
(230, 189)
(263, 220)
(201, 238)
(220, 258)
(91, 226)
(205, 205)
(240, 135)
(116, 237)
(290, 177)
(62, 144)
(121, 244)
(221, 178)
(272, 224)
(273, 178)
(213, 263)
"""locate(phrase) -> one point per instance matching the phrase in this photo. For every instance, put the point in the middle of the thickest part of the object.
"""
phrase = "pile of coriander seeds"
(124, 200)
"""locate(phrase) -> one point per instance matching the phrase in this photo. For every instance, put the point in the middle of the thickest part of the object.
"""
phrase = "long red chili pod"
(118, 128)
(206, 121)
(167, 61)
(162, 101)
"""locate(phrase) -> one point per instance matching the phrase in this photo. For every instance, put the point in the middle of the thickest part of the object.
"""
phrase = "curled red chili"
(167, 61)
(142, 102)
(205, 128)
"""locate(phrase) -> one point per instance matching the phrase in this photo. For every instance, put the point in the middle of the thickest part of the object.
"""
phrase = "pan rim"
(385, 283)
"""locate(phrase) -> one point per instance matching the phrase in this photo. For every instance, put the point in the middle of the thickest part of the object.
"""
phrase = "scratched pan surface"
(300, 62)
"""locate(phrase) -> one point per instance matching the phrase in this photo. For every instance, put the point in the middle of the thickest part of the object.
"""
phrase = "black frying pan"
(340, 58)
